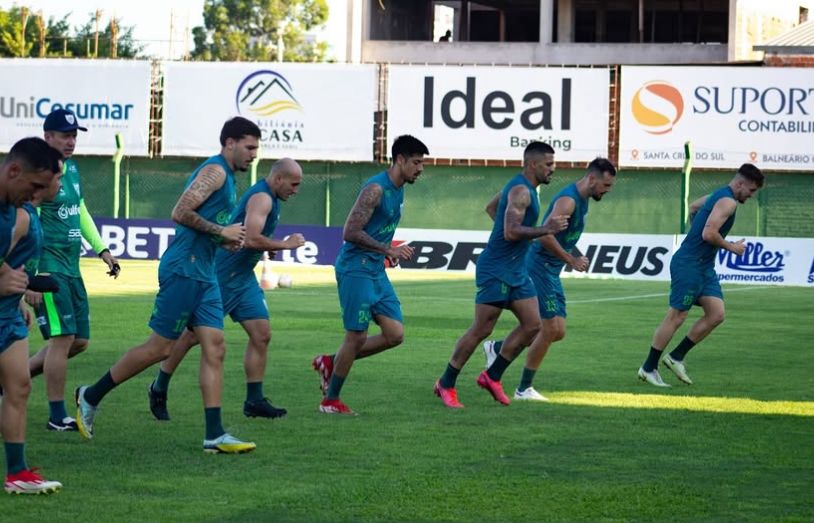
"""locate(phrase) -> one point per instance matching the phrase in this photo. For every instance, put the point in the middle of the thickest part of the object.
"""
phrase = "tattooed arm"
(513, 228)
(354, 231)
(360, 214)
(210, 178)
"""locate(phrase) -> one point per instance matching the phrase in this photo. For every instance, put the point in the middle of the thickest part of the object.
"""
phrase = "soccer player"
(63, 315)
(365, 292)
(188, 294)
(545, 261)
(501, 276)
(693, 280)
(243, 300)
(31, 168)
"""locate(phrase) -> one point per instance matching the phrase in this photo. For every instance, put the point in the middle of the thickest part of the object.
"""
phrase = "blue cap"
(63, 121)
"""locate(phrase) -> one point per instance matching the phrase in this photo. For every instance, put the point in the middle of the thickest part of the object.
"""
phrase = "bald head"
(285, 167)
(285, 178)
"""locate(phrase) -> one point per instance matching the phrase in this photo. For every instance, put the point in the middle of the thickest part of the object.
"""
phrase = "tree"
(16, 34)
(238, 30)
(24, 40)
(83, 44)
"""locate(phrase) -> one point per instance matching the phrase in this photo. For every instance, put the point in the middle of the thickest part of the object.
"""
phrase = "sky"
(151, 19)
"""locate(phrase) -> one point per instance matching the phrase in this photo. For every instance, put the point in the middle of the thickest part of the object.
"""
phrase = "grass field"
(736, 446)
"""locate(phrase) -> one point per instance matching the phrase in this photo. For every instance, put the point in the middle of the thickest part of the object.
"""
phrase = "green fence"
(454, 197)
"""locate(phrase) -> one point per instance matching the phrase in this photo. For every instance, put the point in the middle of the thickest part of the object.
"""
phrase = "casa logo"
(756, 258)
(657, 107)
(265, 93)
(67, 210)
(267, 97)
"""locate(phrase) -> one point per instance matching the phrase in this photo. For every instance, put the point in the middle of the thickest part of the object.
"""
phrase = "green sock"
(214, 426)
(97, 391)
(162, 382)
(526, 379)
(497, 369)
(254, 391)
(57, 411)
(15, 457)
(449, 377)
(682, 349)
(335, 387)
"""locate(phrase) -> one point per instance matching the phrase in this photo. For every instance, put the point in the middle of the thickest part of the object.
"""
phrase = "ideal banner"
(731, 115)
(305, 111)
(108, 97)
(493, 113)
(141, 239)
(766, 261)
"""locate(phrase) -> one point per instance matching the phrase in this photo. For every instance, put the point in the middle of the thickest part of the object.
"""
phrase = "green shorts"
(362, 299)
(65, 312)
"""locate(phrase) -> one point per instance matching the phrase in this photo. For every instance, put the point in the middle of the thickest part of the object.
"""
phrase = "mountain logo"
(265, 93)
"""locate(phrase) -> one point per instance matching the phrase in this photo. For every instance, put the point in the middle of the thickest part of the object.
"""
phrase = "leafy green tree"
(17, 33)
(83, 43)
(249, 30)
(59, 40)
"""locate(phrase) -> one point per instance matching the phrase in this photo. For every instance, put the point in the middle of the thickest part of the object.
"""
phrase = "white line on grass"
(470, 299)
(655, 295)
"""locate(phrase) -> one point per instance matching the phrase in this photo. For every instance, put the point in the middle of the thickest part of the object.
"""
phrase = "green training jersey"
(61, 227)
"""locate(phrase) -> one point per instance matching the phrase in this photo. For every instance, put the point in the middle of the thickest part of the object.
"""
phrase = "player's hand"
(33, 298)
(112, 264)
(738, 247)
(555, 224)
(234, 233)
(232, 246)
(580, 264)
(295, 240)
(12, 281)
(401, 252)
(28, 318)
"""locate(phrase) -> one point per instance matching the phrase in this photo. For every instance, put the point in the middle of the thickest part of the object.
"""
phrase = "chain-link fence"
(453, 197)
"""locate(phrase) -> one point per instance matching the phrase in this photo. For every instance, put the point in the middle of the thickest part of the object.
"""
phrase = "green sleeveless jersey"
(61, 227)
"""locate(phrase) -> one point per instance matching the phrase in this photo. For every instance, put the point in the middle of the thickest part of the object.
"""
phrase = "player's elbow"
(349, 235)
(707, 235)
(510, 235)
(177, 215)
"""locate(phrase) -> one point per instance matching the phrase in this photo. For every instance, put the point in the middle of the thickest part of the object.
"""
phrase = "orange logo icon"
(657, 106)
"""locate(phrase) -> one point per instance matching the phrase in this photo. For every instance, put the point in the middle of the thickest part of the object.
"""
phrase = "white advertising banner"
(492, 113)
(108, 97)
(731, 115)
(305, 111)
(767, 261)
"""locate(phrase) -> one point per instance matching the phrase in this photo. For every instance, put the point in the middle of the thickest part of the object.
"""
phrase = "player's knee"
(558, 334)
(261, 339)
(394, 337)
(716, 318)
(77, 347)
(17, 393)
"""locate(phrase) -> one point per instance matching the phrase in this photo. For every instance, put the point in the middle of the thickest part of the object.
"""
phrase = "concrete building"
(575, 32)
